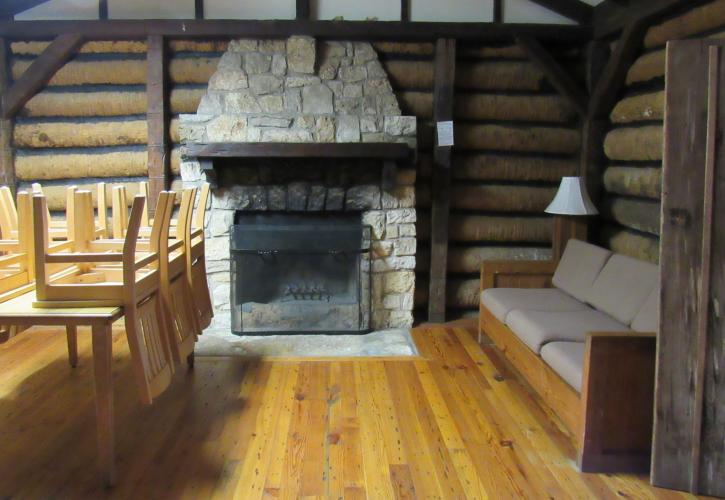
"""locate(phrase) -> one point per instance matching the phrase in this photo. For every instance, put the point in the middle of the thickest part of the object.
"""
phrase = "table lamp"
(570, 207)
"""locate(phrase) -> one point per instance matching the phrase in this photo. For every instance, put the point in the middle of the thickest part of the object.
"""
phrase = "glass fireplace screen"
(300, 273)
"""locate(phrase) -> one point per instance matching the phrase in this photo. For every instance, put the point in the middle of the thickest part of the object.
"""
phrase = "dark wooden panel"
(573, 9)
(103, 9)
(557, 76)
(302, 9)
(689, 428)
(405, 10)
(443, 89)
(7, 166)
(40, 72)
(341, 30)
(382, 150)
(199, 9)
(497, 11)
(157, 119)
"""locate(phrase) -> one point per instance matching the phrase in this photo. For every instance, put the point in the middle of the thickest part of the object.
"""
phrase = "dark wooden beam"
(7, 154)
(555, 73)
(405, 10)
(157, 119)
(103, 10)
(497, 11)
(443, 89)
(199, 9)
(9, 8)
(333, 30)
(40, 72)
(380, 150)
(577, 10)
(302, 9)
(611, 17)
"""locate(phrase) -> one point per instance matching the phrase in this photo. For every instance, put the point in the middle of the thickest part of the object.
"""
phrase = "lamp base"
(567, 227)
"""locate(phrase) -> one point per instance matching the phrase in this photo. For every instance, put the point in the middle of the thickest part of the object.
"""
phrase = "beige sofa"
(586, 344)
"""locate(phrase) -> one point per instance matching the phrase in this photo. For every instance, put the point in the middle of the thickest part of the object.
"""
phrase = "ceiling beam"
(340, 30)
(577, 10)
(9, 8)
(555, 73)
(39, 73)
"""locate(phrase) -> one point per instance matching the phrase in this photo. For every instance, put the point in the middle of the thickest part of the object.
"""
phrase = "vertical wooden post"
(303, 9)
(497, 11)
(405, 10)
(103, 10)
(199, 9)
(7, 156)
(157, 119)
(445, 71)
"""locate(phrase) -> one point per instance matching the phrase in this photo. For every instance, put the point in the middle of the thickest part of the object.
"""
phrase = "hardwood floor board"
(455, 422)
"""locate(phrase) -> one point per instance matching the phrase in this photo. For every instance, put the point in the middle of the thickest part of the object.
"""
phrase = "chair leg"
(71, 333)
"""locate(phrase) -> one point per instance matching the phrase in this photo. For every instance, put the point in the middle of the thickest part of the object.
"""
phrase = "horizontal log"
(698, 20)
(78, 134)
(416, 103)
(490, 167)
(106, 103)
(640, 214)
(647, 67)
(469, 259)
(500, 229)
(641, 107)
(123, 46)
(404, 48)
(634, 144)
(460, 293)
(409, 74)
(532, 139)
(637, 245)
(634, 181)
(498, 75)
(124, 71)
(79, 165)
(494, 198)
(512, 51)
(533, 108)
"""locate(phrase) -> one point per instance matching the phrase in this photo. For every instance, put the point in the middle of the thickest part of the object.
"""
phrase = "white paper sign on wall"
(445, 133)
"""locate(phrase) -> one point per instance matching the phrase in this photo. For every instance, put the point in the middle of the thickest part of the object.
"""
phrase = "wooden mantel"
(379, 150)
(389, 152)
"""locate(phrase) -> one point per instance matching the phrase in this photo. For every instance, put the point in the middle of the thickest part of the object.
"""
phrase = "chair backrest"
(81, 223)
(119, 209)
(102, 209)
(201, 207)
(129, 243)
(8, 214)
(143, 190)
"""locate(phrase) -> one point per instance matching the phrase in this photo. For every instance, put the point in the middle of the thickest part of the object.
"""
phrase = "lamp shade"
(572, 199)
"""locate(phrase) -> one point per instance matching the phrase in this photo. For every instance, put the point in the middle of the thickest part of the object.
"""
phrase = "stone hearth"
(298, 90)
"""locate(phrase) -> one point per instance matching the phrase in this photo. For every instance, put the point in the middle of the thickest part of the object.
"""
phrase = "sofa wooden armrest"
(517, 274)
(617, 401)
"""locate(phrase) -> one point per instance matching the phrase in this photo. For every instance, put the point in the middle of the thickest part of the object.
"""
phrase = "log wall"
(515, 139)
(633, 176)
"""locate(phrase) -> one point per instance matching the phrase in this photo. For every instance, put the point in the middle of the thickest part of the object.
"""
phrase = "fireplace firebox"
(300, 273)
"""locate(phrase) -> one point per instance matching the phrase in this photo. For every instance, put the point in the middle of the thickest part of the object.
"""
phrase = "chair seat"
(536, 328)
(567, 360)
(501, 301)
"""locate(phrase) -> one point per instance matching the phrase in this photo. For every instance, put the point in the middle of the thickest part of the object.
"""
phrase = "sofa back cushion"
(622, 287)
(648, 316)
(579, 267)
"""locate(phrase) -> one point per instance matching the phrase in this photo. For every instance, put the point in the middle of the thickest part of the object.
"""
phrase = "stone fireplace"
(297, 99)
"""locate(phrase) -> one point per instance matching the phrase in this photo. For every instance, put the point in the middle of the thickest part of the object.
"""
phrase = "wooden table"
(20, 311)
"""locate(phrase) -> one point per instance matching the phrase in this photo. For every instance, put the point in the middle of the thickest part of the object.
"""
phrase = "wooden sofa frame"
(611, 420)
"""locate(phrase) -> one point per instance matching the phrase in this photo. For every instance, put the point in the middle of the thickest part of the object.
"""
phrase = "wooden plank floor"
(453, 423)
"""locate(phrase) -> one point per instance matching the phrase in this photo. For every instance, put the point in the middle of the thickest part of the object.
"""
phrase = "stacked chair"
(150, 267)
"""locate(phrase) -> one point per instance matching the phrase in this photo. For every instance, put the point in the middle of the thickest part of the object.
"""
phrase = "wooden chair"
(135, 286)
(61, 229)
(196, 260)
(119, 211)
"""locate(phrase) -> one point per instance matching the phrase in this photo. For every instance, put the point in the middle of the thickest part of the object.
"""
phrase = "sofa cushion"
(536, 328)
(579, 267)
(648, 316)
(622, 287)
(501, 301)
(566, 359)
